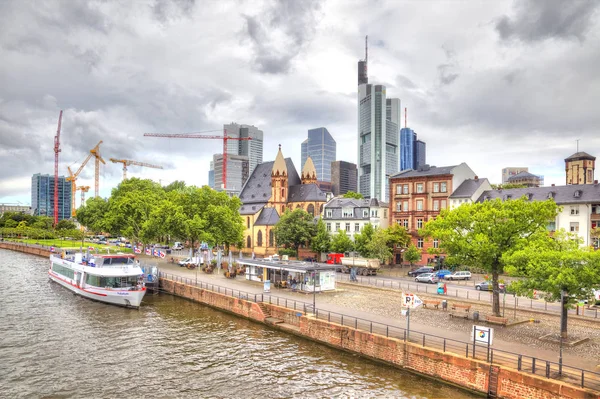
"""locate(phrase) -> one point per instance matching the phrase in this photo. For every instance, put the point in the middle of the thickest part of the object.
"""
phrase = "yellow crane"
(96, 153)
(127, 162)
(73, 177)
(83, 189)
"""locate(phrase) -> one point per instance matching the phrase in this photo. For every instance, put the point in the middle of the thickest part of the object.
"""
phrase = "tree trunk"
(563, 315)
(495, 292)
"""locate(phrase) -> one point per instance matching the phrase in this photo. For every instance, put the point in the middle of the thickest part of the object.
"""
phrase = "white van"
(462, 275)
(191, 261)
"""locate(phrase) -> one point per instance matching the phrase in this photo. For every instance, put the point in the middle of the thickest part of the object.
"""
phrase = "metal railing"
(529, 364)
(509, 301)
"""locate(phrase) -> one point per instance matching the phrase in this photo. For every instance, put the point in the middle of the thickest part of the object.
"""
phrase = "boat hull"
(129, 299)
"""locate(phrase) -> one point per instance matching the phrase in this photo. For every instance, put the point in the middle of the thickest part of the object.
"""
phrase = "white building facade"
(351, 215)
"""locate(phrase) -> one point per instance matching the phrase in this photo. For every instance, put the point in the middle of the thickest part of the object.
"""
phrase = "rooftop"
(570, 194)
(425, 170)
(523, 175)
(468, 188)
(580, 155)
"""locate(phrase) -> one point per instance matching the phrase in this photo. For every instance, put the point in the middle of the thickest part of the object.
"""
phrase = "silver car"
(431, 278)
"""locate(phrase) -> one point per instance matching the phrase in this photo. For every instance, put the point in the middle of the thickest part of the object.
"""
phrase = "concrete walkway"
(240, 283)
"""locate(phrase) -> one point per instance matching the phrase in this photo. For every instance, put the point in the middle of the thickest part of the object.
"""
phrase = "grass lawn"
(75, 244)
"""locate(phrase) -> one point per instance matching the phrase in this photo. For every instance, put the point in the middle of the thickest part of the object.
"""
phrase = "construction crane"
(197, 136)
(56, 151)
(83, 189)
(127, 162)
(73, 177)
(96, 153)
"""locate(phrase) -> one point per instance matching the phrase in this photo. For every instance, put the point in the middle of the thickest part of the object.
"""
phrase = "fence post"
(356, 324)
(423, 340)
(519, 362)
(342, 319)
(387, 331)
(371, 328)
(582, 379)
(444, 344)
(547, 369)
(533, 365)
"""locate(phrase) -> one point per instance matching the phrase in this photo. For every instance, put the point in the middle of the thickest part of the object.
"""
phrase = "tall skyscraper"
(211, 175)
(378, 124)
(237, 172)
(343, 177)
(321, 148)
(420, 154)
(253, 149)
(42, 196)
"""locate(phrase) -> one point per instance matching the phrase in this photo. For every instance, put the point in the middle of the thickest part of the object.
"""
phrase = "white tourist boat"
(115, 279)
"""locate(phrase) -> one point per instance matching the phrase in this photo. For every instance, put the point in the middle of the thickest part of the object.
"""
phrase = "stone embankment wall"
(27, 249)
(458, 370)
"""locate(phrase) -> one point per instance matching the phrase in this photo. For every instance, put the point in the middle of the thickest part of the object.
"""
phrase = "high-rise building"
(211, 175)
(321, 147)
(343, 177)
(420, 154)
(42, 196)
(237, 173)
(253, 149)
(408, 139)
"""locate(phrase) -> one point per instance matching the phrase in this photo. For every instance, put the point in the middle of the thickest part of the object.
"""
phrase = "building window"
(248, 242)
(357, 227)
(248, 222)
(385, 213)
(283, 194)
(419, 223)
(311, 210)
(398, 206)
(574, 227)
(329, 227)
(443, 204)
(374, 213)
(436, 187)
(419, 187)
(365, 213)
(551, 226)
(419, 205)
(259, 238)
(405, 189)
(337, 227)
(436, 205)
(405, 223)
(436, 243)
(398, 189)
(329, 213)
(443, 187)
(420, 243)
(405, 206)
(271, 238)
(347, 227)
(575, 210)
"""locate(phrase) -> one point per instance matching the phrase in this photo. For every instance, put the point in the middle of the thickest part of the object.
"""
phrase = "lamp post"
(560, 357)
(314, 292)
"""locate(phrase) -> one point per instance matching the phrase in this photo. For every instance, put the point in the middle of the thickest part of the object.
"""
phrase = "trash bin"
(444, 304)
(476, 315)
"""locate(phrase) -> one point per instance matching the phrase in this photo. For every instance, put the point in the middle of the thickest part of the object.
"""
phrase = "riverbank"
(464, 371)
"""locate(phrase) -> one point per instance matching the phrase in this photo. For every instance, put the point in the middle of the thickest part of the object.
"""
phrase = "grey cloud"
(446, 74)
(172, 10)
(535, 20)
(293, 21)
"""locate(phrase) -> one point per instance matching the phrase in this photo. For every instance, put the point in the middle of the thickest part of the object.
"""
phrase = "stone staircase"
(268, 318)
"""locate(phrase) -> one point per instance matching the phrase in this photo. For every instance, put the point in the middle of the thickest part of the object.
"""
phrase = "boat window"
(112, 282)
(64, 271)
(118, 261)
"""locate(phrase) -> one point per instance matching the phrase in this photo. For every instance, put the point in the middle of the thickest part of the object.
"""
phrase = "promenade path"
(322, 303)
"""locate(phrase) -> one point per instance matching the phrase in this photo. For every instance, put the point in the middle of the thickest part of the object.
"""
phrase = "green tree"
(93, 215)
(322, 239)
(225, 225)
(379, 246)
(412, 254)
(65, 225)
(507, 186)
(10, 223)
(352, 194)
(294, 228)
(363, 239)
(482, 234)
(177, 185)
(341, 242)
(555, 265)
(165, 219)
(397, 236)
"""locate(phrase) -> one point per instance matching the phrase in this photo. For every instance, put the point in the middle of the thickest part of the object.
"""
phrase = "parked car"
(191, 261)
(177, 246)
(420, 270)
(462, 275)
(487, 286)
(442, 273)
(427, 278)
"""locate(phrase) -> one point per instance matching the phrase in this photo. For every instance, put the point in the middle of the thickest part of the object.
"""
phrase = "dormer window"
(507, 197)
(529, 196)
(551, 195)
(329, 213)
(365, 213)
(577, 193)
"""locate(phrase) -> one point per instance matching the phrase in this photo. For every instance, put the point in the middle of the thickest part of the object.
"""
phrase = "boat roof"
(113, 256)
(293, 266)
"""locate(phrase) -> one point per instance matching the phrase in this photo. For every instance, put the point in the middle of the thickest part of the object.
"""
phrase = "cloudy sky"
(493, 84)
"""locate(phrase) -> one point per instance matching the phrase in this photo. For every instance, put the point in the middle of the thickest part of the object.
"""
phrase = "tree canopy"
(412, 254)
(321, 241)
(341, 242)
(294, 228)
(483, 234)
(379, 245)
(352, 194)
(362, 240)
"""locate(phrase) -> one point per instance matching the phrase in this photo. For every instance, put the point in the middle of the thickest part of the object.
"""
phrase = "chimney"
(552, 185)
(596, 182)
(476, 178)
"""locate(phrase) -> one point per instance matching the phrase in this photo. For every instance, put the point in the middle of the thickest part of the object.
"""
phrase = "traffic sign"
(411, 301)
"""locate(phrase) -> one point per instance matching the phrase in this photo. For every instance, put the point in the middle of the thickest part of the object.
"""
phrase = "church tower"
(279, 183)
(309, 172)
(579, 168)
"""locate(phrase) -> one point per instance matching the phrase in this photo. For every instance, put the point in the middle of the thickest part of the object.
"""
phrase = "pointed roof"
(580, 155)
(309, 169)
(279, 165)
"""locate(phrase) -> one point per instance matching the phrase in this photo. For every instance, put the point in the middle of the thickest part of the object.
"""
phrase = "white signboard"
(483, 335)
(411, 301)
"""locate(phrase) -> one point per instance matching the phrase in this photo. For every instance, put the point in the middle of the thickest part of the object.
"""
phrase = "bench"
(433, 303)
(456, 306)
(496, 320)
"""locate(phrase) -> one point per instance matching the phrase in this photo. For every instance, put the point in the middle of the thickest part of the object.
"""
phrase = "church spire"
(279, 166)
(309, 172)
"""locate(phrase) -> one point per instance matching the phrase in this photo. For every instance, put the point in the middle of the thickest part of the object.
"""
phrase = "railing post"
(371, 330)
(404, 335)
(329, 317)
(356, 324)
(387, 331)
(519, 362)
(467, 351)
(423, 340)
(582, 379)
(342, 319)
(533, 365)
(547, 369)
(444, 344)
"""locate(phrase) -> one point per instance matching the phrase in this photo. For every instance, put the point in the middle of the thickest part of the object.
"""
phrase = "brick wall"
(458, 370)
(26, 249)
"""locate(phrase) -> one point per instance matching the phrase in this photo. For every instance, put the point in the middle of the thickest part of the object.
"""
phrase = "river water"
(56, 344)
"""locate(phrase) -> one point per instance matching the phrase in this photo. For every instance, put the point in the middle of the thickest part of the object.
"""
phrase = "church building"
(273, 188)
